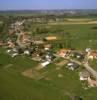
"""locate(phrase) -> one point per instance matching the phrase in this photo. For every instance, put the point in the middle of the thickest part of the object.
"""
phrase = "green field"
(14, 86)
(80, 36)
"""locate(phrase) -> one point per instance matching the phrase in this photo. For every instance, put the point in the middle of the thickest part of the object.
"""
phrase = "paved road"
(91, 70)
(86, 65)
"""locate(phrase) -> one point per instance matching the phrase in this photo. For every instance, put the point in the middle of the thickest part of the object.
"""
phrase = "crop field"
(79, 36)
(76, 21)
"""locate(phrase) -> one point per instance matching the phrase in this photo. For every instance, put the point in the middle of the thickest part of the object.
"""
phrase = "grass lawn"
(14, 86)
(94, 64)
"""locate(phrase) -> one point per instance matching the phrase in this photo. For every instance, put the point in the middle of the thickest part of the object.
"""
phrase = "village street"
(87, 66)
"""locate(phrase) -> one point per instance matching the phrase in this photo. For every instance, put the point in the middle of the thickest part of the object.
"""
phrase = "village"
(48, 50)
(41, 50)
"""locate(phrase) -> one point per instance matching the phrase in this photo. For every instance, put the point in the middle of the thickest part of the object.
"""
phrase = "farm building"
(50, 38)
(47, 47)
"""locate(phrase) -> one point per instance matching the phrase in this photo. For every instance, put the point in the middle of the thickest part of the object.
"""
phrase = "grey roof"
(84, 74)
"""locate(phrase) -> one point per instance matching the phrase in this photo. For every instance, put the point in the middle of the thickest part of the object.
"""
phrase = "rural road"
(91, 70)
(85, 65)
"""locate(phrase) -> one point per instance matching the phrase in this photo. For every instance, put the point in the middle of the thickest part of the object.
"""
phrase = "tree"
(60, 46)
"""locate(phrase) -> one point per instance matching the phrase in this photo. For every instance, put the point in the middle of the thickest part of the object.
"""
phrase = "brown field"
(75, 21)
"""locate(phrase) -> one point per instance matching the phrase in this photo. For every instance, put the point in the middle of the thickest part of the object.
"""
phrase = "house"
(78, 55)
(17, 23)
(91, 82)
(14, 55)
(72, 66)
(26, 52)
(92, 55)
(84, 75)
(64, 52)
(15, 50)
(88, 50)
(45, 63)
(47, 47)
(47, 58)
(38, 42)
(10, 44)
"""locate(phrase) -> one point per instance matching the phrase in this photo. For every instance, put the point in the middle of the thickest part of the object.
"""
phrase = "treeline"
(46, 18)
